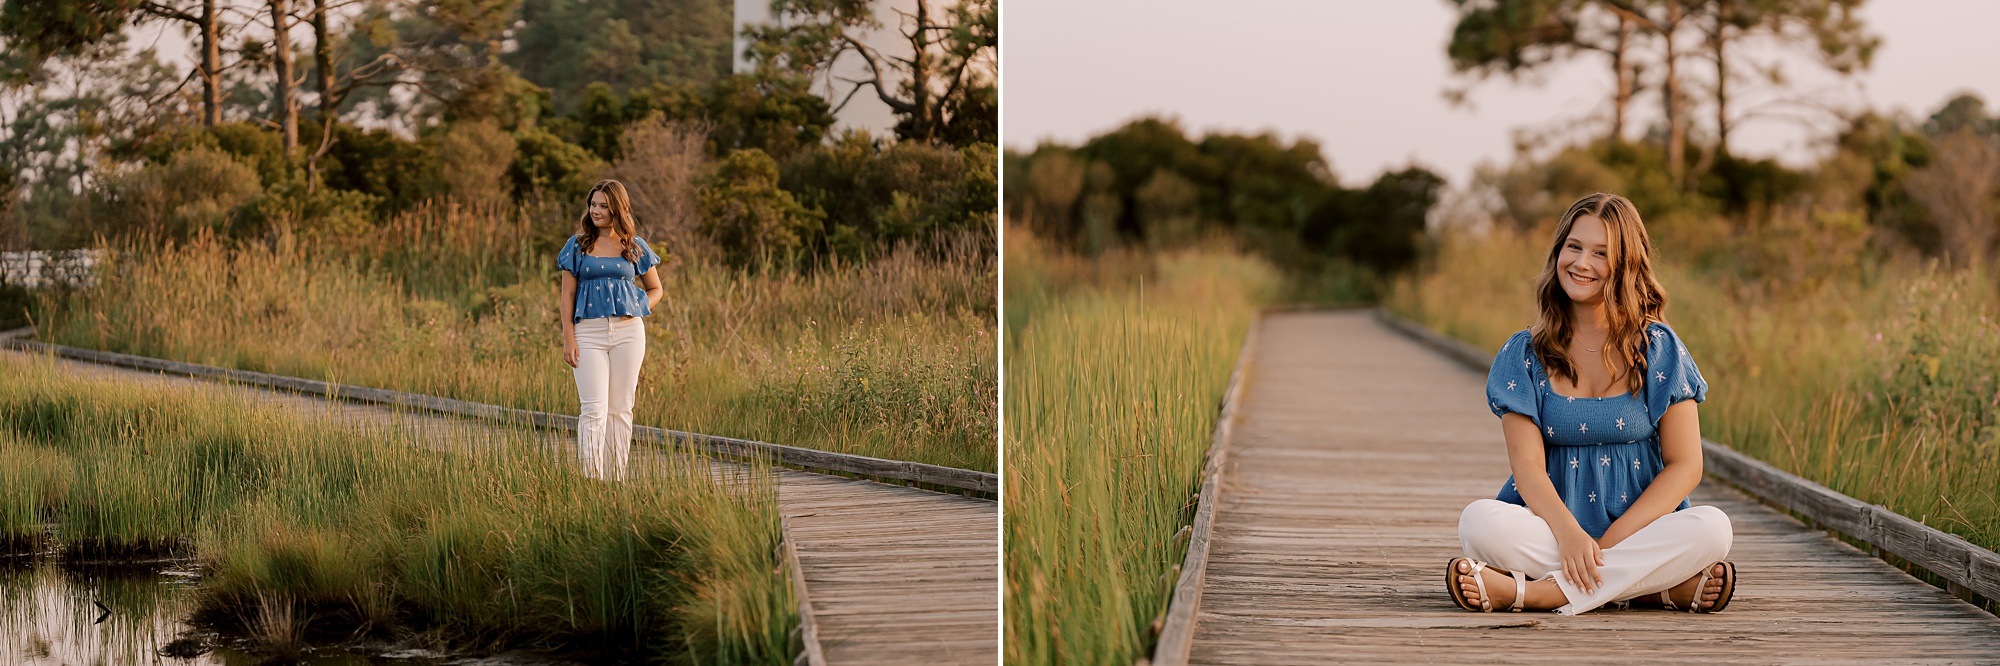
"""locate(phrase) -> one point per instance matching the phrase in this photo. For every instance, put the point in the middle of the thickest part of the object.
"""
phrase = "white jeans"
(1659, 556)
(607, 374)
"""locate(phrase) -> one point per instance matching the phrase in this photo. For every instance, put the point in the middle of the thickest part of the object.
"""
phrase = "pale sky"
(1365, 78)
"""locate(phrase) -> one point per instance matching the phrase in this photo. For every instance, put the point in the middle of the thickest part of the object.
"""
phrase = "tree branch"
(165, 12)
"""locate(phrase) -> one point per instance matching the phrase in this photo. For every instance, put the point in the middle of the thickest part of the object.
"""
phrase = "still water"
(136, 613)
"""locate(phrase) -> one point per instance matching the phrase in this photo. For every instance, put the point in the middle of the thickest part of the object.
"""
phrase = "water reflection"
(135, 613)
(94, 615)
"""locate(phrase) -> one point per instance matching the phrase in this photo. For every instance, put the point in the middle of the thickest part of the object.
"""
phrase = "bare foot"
(1542, 594)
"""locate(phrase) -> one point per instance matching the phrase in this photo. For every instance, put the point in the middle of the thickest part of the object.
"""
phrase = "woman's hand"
(570, 350)
(1581, 557)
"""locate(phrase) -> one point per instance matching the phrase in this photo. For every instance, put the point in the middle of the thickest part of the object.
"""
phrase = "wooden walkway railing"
(789, 456)
(884, 574)
(1352, 452)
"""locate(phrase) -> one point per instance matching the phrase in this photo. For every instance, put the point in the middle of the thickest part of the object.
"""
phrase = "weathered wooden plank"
(810, 653)
(1177, 629)
(902, 576)
(950, 477)
(1822, 504)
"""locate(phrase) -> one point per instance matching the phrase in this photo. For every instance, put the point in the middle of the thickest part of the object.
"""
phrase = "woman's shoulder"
(1519, 348)
(1661, 337)
(1521, 342)
(1664, 347)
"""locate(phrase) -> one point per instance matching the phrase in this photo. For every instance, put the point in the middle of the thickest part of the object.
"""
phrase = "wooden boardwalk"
(896, 575)
(1354, 452)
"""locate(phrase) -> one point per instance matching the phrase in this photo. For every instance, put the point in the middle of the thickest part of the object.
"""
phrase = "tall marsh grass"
(892, 358)
(1115, 367)
(306, 527)
(1877, 379)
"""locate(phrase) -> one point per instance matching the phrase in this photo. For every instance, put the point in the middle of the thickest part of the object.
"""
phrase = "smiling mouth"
(1581, 280)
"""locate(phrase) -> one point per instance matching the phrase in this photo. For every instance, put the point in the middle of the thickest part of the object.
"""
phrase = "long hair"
(622, 223)
(1633, 297)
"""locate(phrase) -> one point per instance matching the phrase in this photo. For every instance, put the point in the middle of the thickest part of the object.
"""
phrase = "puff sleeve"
(647, 260)
(1511, 384)
(1671, 375)
(566, 259)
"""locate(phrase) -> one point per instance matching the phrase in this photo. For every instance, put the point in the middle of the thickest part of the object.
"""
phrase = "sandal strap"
(1668, 601)
(1485, 602)
(1701, 588)
(1520, 590)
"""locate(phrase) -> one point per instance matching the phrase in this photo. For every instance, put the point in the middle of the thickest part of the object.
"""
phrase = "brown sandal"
(1451, 575)
(1722, 597)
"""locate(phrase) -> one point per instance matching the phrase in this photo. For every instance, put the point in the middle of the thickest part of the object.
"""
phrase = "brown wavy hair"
(1633, 297)
(621, 220)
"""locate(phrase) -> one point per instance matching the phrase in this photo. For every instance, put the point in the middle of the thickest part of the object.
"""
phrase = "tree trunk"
(211, 67)
(1721, 41)
(285, 97)
(1676, 118)
(920, 65)
(1623, 70)
(323, 57)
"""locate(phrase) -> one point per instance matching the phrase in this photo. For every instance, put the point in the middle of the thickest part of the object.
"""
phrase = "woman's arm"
(651, 283)
(1528, 457)
(568, 307)
(1680, 447)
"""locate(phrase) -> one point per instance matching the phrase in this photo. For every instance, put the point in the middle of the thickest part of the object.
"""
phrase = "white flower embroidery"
(1583, 427)
(1635, 463)
(1604, 462)
(1661, 375)
(1572, 462)
(1593, 497)
(1621, 424)
(1552, 431)
(1510, 385)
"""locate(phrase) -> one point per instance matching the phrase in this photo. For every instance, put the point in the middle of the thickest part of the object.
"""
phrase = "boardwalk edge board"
(811, 459)
(810, 653)
(1964, 565)
(1177, 630)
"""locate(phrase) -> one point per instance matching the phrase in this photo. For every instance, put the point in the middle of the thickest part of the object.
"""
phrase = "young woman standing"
(1597, 403)
(608, 284)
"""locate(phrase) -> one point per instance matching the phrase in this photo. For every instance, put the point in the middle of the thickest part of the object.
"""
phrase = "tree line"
(331, 116)
(1150, 183)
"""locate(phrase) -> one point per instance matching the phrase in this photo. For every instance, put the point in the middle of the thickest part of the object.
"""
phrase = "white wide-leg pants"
(607, 374)
(1657, 557)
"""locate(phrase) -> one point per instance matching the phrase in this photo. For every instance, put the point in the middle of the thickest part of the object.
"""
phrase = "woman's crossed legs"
(1668, 554)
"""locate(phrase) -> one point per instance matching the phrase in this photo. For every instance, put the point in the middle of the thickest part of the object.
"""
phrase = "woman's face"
(600, 208)
(1585, 260)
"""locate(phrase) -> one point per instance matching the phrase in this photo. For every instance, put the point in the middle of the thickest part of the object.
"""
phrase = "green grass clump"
(893, 358)
(1878, 379)
(1115, 367)
(308, 528)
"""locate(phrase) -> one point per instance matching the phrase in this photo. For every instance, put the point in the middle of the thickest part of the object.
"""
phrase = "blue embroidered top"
(1602, 452)
(607, 286)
